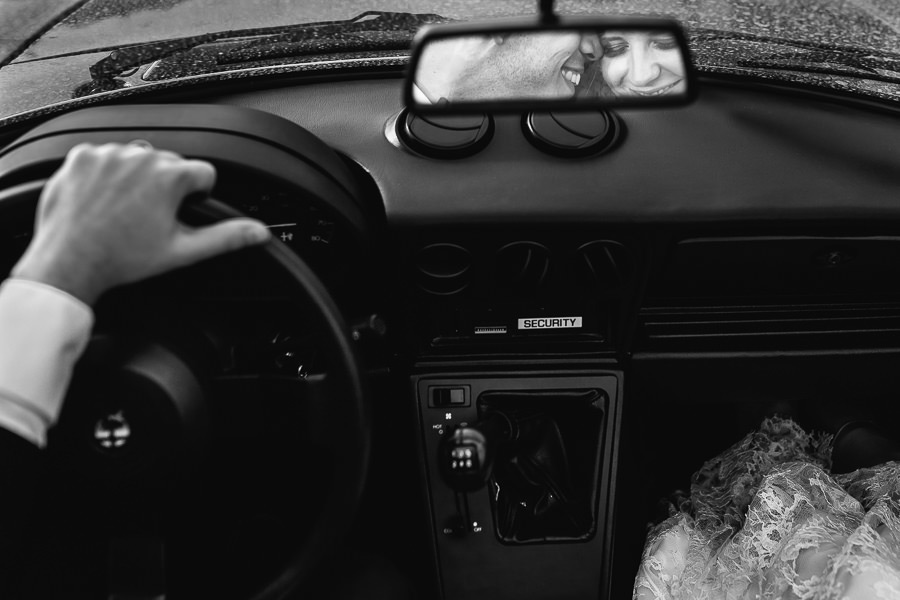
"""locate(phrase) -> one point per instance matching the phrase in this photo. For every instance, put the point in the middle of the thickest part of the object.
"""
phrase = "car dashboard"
(647, 302)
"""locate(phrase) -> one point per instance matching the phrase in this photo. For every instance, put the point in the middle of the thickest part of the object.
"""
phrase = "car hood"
(866, 23)
(48, 71)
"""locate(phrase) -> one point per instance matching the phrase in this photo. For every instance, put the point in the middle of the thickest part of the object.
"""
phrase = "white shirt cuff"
(43, 332)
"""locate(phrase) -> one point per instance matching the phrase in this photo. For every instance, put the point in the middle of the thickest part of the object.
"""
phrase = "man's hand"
(108, 217)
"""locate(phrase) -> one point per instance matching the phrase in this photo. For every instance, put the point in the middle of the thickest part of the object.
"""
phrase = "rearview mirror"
(576, 64)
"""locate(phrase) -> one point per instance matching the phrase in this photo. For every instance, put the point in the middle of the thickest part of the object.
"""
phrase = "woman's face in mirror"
(642, 63)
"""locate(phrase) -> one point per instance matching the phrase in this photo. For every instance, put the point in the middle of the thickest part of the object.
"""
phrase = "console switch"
(444, 397)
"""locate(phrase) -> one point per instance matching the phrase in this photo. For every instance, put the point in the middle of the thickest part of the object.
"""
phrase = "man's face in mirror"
(506, 67)
(642, 63)
(527, 65)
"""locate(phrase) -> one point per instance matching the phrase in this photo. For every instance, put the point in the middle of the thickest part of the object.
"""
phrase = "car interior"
(509, 337)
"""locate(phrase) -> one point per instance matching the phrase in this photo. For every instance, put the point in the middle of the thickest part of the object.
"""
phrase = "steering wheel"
(173, 384)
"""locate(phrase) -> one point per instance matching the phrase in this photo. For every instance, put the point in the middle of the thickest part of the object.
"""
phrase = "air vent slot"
(443, 269)
(523, 265)
(771, 327)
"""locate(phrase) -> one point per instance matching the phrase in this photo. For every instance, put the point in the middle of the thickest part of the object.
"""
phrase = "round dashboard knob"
(522, 265)
(604, 264)
(443, 268)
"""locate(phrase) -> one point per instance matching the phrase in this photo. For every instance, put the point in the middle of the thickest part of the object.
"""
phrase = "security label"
(550, 323)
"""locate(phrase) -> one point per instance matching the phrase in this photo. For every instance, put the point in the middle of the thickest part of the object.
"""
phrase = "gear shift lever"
(466, 454)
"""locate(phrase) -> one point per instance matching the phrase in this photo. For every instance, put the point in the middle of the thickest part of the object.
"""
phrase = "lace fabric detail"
(765, 519)
(723, 488)
(868, 565)
(873, 484)
(665, 556)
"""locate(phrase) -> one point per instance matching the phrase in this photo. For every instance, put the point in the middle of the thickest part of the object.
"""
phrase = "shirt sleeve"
(43, 332)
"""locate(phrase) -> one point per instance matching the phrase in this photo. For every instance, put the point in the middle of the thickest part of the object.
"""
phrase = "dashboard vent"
(443, 269)
(770, 327)
(445, 136)
(522, 265)
(571, 134)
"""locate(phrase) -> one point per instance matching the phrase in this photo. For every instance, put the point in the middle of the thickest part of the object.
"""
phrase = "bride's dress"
(765, 520)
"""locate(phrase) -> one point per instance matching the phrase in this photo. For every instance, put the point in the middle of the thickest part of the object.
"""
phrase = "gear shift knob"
(466, 454)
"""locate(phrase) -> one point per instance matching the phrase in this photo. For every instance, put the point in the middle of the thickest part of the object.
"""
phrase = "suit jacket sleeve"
(43, 331)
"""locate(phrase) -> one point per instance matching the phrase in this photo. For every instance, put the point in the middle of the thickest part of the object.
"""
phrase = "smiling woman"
(642, 63)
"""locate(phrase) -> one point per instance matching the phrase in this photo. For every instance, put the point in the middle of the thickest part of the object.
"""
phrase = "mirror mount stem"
(548, 17)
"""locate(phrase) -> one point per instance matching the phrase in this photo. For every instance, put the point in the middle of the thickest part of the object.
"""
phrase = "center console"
(520, 470)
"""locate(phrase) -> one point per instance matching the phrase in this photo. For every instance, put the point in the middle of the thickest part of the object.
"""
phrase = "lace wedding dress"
(766, 520)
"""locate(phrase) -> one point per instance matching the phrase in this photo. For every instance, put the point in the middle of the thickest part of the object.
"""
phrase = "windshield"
(851, 45)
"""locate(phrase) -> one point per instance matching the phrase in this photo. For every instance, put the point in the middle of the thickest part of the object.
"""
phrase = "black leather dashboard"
(722, 250)
(737, 154)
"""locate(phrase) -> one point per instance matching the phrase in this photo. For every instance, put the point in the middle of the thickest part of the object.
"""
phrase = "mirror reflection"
(614, 64)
